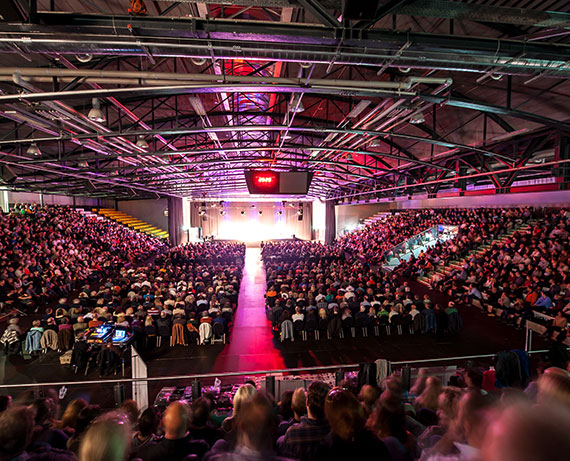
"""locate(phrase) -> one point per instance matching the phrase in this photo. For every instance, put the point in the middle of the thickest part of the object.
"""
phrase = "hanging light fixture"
(96, 114)
(34, 150)
(417, 118)
(141, 142)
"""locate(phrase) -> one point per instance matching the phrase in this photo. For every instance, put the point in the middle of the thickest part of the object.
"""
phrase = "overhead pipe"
(140, 77)
(225, 129)
(457, 178)
(123, 145)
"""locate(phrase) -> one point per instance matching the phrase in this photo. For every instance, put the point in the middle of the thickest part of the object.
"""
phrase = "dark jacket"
(173, 450)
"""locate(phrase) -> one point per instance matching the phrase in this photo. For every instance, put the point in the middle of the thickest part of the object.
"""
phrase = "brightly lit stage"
(253, 221)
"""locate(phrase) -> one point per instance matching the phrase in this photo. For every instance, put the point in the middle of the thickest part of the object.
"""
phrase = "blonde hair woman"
(243, 394)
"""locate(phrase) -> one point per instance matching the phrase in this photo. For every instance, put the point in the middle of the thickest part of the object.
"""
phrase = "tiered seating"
(376, 217)
(445, 270)
(132, 222)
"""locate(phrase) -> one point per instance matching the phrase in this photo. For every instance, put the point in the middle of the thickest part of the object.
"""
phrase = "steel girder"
(248, 88)
(64, 33)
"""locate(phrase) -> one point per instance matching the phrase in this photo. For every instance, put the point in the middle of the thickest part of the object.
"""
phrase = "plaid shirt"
(301, 440)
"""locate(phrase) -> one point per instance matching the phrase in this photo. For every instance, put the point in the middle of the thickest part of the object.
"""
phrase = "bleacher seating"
(132, 222)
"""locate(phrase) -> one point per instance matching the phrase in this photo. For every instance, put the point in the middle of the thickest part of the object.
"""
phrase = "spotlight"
(141, 142)
(242, 213)
(300, 212)
(253, 206)
(84, 57)
(83, 164)
(260, 212)
(279, 212)
(96, 114)
(349, 158)
(202, 212)
(417, 118)
(33, 150)
(222, 213)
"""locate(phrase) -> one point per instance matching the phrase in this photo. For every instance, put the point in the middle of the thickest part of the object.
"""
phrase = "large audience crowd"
(48, 252)
(168, 298)
(332, 296)
(528, 271)
(493, 415)
(471, 418)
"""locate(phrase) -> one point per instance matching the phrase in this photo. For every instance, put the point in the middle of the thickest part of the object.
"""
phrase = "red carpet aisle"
(251, 347)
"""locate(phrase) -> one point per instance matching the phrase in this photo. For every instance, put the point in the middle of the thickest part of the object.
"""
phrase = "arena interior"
(284, 230)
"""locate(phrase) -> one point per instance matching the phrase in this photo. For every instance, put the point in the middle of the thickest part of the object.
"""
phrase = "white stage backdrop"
(252, 226)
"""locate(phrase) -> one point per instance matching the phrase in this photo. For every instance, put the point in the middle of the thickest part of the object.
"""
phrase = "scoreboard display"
(278, 182)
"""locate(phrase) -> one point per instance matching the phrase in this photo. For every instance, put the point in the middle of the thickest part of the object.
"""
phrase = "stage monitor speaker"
(119, 393)
(367, 374)
(270, 385)
(196, 390)
(338, 377)
(359, 10)
(9, 176)
(406, 377)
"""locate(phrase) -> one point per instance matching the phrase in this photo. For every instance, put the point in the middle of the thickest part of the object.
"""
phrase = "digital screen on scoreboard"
(275, 182)
(262, 182)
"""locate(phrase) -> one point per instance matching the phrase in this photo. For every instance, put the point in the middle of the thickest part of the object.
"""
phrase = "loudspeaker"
(270, 385)
(119, 393)
(300, 217)
(361, 9)
(367, 374)
(338, 377)
(196, 390)
(406, 377)
(9, 176)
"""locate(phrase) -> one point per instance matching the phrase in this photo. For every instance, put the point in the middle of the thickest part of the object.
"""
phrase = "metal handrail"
(243, 373)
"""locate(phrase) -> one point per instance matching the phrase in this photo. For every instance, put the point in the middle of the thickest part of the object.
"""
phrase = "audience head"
(243, 393)
(107, 439)
(473, 417)
(554, 387)
(16, 426)
(131, 409)
(299, 402)
(256, 423)
(448, 404)
(175, 421)
(316, 395)
(368, 396)
(44, 409)
(524, 433)
(200, 411)
(148, 422)
(344, 413)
